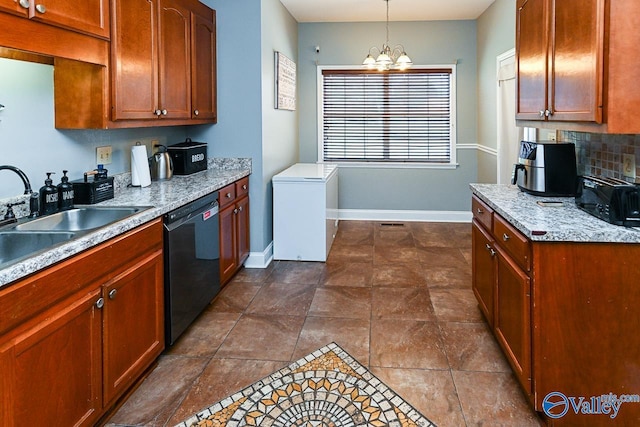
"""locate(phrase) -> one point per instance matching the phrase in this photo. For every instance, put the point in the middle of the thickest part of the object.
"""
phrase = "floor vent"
(391, 224)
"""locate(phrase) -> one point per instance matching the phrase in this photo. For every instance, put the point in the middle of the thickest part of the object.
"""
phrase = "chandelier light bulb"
(388, 58)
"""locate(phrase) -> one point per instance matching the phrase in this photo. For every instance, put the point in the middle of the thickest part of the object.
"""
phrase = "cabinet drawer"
(482, 212)
(242, 187)
(514, 242)
(226, 195)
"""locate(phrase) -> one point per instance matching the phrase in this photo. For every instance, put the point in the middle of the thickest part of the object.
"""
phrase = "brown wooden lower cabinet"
(234, 228)
(67, 360)
(568, 325)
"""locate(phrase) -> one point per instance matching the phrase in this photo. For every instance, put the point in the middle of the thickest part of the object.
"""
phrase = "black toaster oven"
(610, 199)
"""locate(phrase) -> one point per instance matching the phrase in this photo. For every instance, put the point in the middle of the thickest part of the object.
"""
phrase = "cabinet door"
(484, 274)
(242, 226)
(52, 373)
(513, 317)
(531, 59)
(134, 59)
(133, 324)
(228, 243)
(86, 16)
(577, 58)
(203, 68)
(174, 59)
(13, 6)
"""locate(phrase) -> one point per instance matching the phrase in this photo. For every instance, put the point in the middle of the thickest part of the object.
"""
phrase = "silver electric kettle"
(160, 164)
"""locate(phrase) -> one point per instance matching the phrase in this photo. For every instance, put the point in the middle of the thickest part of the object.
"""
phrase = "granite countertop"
(160, 196)
(566, 223)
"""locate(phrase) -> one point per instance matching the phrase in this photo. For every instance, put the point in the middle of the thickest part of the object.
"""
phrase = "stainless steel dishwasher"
(191, 263)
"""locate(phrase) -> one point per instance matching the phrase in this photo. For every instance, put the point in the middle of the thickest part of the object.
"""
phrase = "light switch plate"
(103, 155)
(629, 165)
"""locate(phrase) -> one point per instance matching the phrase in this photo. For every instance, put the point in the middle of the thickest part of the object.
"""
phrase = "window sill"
(392, 165)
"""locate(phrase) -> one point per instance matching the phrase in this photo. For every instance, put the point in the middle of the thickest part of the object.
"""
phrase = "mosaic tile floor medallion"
(327, 388)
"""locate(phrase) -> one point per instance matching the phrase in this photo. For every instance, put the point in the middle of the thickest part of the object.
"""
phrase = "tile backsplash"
(602, 154)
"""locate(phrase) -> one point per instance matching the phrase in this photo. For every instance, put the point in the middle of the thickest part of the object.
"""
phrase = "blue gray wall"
(29, 140)
(249, 31)
(496, 35)
(437, 42)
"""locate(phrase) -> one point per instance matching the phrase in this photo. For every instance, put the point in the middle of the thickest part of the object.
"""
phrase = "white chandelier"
(388, 58)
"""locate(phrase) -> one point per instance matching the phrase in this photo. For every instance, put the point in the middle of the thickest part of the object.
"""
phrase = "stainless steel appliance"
(192, 263)
(612, 200)
(546, 168)
(160, 164)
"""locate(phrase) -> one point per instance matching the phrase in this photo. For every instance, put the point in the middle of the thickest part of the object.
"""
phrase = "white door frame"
(500, 143)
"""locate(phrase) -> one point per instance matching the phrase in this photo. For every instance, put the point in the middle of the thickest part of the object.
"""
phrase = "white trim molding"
(260, 259)
(488, 150)
(404, 215)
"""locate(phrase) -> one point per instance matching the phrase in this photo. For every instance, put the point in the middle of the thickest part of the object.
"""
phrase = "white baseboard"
(404, 215)
(260, 259)
(264, 258)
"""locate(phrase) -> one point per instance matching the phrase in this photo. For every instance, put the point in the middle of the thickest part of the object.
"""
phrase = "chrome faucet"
(33, 196)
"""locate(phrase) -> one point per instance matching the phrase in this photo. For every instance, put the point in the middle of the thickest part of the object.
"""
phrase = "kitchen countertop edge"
(160, 196)
(550, 224)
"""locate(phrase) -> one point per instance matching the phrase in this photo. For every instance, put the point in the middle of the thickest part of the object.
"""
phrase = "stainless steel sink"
(17, 244)
(79, 219)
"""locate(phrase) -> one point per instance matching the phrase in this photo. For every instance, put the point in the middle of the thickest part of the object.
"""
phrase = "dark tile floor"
(397, 298)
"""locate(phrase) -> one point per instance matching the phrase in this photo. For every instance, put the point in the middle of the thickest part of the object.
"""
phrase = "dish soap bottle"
(65, 193)
(48, 197)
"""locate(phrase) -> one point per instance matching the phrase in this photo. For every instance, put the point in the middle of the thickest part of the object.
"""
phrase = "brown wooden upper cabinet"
(163, 61)
(560, 56)
(574, 67)
(87, 16)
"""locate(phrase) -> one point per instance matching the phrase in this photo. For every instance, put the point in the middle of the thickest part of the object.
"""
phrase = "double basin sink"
(38, 235)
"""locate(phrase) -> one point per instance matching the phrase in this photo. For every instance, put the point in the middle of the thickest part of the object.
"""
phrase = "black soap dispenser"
(48, 197)
(65, 193)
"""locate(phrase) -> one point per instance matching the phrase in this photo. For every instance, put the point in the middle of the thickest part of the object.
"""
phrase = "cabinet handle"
(235, 211)
(100, 303)
(196, 112)
(112, 293)
(547, 113)
(228, 195)
(541, 113)
(490, 249)
(505, 237)
(157, 112)
(244, 187)
(480, 211)
(40, 8)
(164, 112)
(240, 208)
(24, 4)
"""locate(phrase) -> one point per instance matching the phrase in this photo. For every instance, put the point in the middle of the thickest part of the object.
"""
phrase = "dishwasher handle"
(206, 206)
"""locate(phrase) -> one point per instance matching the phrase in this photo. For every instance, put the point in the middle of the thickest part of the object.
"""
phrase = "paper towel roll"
(140, 174)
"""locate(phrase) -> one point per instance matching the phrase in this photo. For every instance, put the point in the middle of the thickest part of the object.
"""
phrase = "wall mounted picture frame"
(285, 84)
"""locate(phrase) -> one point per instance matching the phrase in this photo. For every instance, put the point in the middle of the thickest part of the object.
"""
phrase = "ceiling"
(375, 10)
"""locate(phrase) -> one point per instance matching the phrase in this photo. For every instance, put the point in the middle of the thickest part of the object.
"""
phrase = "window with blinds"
(396, 116)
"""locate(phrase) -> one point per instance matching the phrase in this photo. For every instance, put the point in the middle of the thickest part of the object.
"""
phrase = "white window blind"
(397, 116)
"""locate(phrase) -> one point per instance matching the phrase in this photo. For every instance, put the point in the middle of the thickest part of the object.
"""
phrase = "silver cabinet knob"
(112, 293)
(240, 208)
(100, 303)
(505, 237)
(547, 113)
(196, 112)
(164, 112)
(490, 249)
(541, 113)
(40, 8)
(235, 211)
(479, 211)
(157, 112)
(24, 4)
(228, 195)
(244, 187)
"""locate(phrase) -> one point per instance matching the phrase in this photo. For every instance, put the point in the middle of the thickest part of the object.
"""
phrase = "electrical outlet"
(103, 155)
(629, 165)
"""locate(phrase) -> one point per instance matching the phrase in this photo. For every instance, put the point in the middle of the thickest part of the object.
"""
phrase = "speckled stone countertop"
(160, 196)
(553, 224)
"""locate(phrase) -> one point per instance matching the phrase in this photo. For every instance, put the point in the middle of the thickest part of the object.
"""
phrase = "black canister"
(48, 197)
(65, 193)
